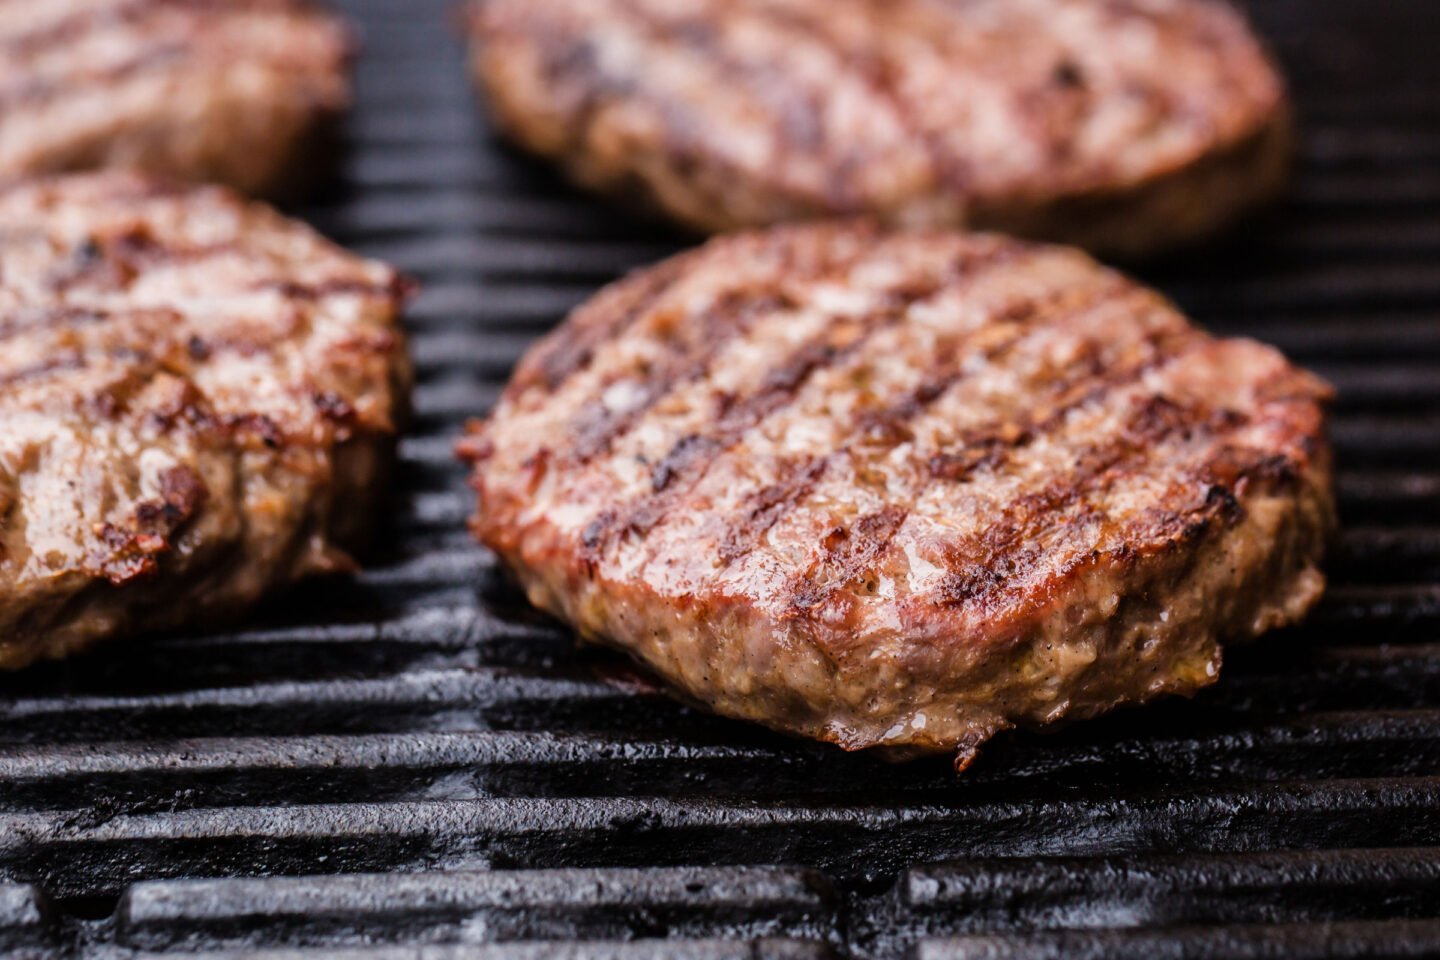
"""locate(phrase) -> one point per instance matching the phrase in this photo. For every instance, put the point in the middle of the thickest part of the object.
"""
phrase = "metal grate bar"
(1321, 941)
(697, 903)
(770, 949)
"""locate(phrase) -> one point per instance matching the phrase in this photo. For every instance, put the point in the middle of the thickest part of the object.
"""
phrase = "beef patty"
(240, 92)
(197, 401)
(905, 490)
(1124, 127)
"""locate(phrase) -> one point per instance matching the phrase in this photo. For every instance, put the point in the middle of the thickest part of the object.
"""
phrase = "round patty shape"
(241, 92)
(197, 403)
(905, 490)
(1118, 125)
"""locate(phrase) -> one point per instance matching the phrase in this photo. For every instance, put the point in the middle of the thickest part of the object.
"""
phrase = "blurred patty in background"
(1125, 127)
(242, 93)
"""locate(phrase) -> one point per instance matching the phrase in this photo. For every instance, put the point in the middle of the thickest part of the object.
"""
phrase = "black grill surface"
(416, 765)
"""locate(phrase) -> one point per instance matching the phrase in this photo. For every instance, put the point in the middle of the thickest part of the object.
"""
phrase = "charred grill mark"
(795, 110)
(690, 457)
(776, 389)
(1008, 549)
(1222, 499)
(29, 319)
(71, 28)
(689, 449)
(988, 447)
(339, 287)
(767, 506)
(991, 446)
(886, 427)
(114, 261)
(134, 552)
(597, 429)
(846, 554)
(869, 65)
(33, 91)
(890, 426)
(976, 452)
(126, 13)
(1231, 469)
(596, 324)
(61, 363)
(596, 530)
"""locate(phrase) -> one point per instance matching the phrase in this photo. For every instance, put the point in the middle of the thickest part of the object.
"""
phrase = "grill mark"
(71, 360)
(74, 26)
(992, 445)
(737, 314)
(573, 347)
(596, 430)
(847, 553)
(997, 442)
(1232, 466)
(888, 426)
(699, 37)
(1006, 550)
(946, 169)
(182, 491)
(871, 67)
(115, 261)
(692, 456)
(775, 390)
(337, 287)
(893, 421)
(796, 108)
(768, 505)
(40, 91)
(32, 318)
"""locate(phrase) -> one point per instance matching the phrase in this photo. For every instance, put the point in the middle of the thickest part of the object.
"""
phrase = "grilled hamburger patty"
(1117, 125)
(197, 399)
(905, 490)
(239, 92)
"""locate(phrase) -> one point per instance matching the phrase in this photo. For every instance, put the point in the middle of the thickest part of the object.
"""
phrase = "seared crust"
(1124, 127)
(242, 92)
(905, 490)
(197, 404)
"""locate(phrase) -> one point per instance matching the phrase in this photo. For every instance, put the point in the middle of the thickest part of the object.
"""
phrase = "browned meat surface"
(241, 92)
(905, 490)
(197, 401)
(1121, 126)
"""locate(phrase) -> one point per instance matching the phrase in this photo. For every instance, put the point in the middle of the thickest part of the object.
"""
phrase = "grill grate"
(417, 765)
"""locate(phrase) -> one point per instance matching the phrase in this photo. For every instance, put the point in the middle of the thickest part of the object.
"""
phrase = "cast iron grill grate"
(411, 761)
